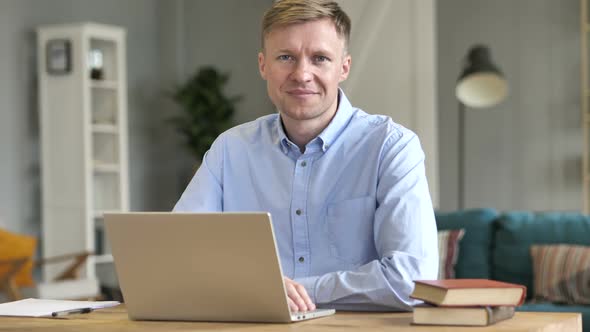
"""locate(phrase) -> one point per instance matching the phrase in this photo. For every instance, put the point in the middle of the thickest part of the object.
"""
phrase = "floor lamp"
(480, 85)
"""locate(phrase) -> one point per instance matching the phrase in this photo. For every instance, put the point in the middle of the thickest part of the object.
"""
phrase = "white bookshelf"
(83, 122)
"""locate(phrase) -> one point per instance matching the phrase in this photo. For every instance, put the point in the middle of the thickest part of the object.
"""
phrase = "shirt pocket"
(350, 227)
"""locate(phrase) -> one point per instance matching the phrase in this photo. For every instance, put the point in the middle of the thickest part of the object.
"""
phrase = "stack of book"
(471, 302)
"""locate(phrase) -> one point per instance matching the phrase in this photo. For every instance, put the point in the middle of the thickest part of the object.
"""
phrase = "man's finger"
(303, 293)
(296, 297)
(292, 305)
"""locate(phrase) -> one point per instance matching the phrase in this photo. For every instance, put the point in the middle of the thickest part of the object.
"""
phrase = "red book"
(469, 292)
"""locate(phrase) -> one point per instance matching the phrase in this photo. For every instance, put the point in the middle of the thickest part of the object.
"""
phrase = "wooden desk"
(115, 319)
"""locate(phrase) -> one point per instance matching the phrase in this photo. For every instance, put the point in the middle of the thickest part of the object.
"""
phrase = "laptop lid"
(198, 266)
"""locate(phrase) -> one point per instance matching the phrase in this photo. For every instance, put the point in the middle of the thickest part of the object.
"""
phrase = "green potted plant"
(206, 110)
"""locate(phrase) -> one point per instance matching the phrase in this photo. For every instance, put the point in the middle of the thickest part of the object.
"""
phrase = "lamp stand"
(461, 158)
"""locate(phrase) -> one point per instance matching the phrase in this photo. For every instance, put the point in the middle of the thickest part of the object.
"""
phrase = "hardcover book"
(469, 292)
(463, 316)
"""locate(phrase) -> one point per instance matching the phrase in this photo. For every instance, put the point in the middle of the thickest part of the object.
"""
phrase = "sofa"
(497, 246)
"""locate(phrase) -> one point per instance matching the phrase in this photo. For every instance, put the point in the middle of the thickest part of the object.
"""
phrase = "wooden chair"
(17, 265)
(67, 285)
(7, 281)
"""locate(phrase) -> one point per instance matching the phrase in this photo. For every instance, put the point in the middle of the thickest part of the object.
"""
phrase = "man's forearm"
(378, 285)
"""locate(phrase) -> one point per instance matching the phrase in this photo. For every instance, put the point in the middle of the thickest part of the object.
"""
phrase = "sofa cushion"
(474, 249)
(561, 273)
(517, 231)
(448, 252)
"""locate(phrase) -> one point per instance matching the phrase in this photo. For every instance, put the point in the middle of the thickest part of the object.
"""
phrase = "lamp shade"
(481, 84)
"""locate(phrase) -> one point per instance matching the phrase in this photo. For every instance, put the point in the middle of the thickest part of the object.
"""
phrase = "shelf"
(100, 214)
(105, 129)
(104, 107)
(105, 168)
(101, 259)
(104, 56)
(102, 84)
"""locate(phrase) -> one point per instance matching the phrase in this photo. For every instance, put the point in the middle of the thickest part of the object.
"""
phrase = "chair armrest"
(71, 271)
(61, 258)
(16, 265)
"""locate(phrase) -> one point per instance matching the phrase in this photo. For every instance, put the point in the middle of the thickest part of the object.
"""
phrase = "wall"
(214, 34)
(19, 132)
(393, 68)
(196, 33)
(166, 41)
(525, 152)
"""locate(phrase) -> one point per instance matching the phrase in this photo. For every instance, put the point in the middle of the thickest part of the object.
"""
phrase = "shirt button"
(299, 212)
(301, 259)
(303, 164)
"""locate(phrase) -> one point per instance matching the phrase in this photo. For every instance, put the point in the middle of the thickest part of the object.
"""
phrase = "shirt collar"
(284, 142)
(338, 123)
(330, 133)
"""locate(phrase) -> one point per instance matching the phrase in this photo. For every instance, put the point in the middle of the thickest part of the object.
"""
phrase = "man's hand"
(297, 296)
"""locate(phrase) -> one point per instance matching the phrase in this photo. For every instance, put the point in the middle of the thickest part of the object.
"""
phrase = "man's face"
(303, 65)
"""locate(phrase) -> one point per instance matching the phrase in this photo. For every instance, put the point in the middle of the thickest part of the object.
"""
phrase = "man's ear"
(345, 69)
(261, 65)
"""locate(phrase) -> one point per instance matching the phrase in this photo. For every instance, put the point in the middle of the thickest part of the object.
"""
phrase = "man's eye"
(321, 58)
(284, 57)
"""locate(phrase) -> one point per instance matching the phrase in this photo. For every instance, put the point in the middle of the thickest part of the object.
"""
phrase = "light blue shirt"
(352, 215)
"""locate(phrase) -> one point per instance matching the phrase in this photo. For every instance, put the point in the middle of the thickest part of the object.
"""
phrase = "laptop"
(200, 267)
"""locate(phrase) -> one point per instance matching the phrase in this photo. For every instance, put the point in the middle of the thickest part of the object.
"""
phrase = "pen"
(72, 311)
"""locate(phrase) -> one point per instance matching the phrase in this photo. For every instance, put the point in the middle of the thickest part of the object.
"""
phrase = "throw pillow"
(448, 251)
(561, 273)
(14, 246)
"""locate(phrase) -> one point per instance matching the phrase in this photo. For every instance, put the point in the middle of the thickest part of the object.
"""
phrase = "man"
(347, 191)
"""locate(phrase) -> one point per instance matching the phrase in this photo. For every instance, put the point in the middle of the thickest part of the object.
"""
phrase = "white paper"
(44, 308)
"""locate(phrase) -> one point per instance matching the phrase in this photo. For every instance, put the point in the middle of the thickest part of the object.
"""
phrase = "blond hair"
(287, 12)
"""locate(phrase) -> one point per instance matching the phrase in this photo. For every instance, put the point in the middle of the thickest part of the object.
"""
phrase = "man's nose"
(302, 71)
